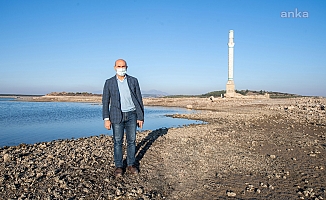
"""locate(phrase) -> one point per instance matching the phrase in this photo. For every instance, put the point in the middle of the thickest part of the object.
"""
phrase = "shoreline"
(86, 99)
(249, 149)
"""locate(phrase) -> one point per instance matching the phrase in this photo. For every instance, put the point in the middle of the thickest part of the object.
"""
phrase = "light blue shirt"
(127, 104)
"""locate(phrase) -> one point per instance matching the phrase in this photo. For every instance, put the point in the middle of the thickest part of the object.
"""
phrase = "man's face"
(120, 64)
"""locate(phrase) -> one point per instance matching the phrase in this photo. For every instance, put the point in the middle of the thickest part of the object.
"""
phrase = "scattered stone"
(231, 194)
(6, 158)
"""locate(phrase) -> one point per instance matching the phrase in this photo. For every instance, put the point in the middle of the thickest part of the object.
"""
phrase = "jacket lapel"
(115, 88)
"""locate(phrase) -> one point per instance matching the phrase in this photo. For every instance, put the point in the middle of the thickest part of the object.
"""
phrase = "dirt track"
(249, 149)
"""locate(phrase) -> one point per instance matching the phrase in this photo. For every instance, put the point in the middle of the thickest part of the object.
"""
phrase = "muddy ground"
(248, 149)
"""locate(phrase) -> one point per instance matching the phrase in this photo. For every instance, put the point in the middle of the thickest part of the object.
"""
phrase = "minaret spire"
(231, 45)
(230, 87)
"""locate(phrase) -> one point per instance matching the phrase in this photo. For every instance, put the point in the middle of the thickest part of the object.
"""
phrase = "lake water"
(32, 122)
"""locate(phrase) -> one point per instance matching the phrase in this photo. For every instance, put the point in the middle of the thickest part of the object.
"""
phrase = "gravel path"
(248, 149)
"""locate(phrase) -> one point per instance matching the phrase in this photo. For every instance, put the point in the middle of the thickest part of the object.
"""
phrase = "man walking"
(123, 110)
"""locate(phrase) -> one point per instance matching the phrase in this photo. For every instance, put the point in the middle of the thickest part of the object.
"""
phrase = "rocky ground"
(249, 149)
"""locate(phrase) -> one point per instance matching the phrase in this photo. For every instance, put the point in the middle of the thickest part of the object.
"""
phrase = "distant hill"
(243, 92)
(154, 93)
(150, 93)
(157, 93)
(20, 95)
(72, 94)
(271, 93)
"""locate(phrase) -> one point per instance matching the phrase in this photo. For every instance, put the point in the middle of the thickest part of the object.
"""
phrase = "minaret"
(230, 88)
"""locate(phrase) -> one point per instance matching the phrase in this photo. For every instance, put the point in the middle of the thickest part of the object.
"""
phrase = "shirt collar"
(125, 77)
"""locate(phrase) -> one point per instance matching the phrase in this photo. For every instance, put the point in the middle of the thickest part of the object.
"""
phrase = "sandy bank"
(90, 99)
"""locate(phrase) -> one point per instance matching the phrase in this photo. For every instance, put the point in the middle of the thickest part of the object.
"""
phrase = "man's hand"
(107, 124)
(140, 123)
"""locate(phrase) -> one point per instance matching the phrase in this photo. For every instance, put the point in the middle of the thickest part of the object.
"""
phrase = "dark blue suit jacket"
(111, 99)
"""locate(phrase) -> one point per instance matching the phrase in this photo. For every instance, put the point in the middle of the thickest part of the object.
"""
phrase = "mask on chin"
(121, 71)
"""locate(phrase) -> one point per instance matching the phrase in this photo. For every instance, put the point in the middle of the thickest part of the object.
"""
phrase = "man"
(123, 110)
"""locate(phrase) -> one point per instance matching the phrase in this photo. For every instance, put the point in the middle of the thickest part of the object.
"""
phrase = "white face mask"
(121, 71)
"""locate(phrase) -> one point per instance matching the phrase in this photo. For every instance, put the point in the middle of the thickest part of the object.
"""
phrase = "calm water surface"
(31, 122)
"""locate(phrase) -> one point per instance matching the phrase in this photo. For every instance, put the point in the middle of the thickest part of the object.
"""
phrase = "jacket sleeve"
(140, 100)
(106, 100)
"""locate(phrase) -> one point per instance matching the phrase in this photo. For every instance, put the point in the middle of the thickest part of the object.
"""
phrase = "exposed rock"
(231, 194)
(272, 156)
(6, 158)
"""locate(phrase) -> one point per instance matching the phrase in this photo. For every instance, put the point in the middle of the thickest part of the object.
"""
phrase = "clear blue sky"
(175, 46)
